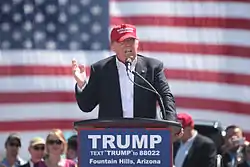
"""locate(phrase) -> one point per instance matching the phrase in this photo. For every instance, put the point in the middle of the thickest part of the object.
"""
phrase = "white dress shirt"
(183, 151)
(31, 163)
(126, 88)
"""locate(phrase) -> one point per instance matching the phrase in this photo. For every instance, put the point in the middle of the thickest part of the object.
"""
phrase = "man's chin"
(131, 56)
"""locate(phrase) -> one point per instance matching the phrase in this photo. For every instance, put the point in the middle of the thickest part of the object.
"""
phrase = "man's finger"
(82, 68)
(74, 66)
(74, 62)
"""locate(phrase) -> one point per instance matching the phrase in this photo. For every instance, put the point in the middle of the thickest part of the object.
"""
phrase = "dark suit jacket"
(103, 88)
(28, 164)
(227, 159)
(201, 154)
(244, 164)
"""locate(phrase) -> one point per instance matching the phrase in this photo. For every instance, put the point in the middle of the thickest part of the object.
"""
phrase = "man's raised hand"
(79, 73)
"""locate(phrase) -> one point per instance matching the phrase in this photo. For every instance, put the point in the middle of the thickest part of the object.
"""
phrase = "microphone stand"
(152, 89)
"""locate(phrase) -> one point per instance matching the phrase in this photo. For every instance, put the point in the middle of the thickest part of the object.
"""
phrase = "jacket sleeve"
(162, 87)
(88, 98)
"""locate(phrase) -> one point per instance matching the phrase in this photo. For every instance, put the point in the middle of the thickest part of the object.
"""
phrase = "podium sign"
(115, 147)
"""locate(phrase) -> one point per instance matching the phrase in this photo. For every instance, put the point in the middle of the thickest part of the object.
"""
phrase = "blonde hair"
(59, 134)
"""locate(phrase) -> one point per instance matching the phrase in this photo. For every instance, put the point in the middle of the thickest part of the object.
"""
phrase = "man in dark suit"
(232, 149)
(193, 149)
(36, 150)
(110, 87)
(246, 154)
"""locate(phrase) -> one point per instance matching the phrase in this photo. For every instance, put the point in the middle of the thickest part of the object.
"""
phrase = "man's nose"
(127, 44)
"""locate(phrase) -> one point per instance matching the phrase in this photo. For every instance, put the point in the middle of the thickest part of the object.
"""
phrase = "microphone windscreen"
(128, 60)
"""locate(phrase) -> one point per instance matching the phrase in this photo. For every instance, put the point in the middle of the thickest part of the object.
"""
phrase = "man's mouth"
(127, 51)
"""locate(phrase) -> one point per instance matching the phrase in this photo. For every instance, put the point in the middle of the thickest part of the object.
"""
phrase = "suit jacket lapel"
(176, 147)
(140, 68)
(115, 86)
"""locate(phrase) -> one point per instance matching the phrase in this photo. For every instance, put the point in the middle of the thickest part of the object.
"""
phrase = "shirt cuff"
(81, 89)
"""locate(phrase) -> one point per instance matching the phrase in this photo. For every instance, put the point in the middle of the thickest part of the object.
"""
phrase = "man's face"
(126, 49)
(12, 148)
(37, 152)
(71, 154)
(186, 132)
(234, 132)
(232, 135)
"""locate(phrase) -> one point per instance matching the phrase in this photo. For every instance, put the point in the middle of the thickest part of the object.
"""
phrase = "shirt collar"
(191, 140)
(31, 163)
(17, 162)
(76, 160)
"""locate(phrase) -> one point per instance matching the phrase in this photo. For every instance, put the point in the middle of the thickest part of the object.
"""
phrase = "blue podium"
(137, 142)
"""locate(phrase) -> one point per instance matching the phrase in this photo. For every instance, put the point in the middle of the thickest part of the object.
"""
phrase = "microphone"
(128, 63)
(152, 89)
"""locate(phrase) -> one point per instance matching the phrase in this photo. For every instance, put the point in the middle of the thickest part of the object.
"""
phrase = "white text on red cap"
(123, 30)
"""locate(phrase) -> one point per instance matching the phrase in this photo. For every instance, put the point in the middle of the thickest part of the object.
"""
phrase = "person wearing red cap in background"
(193, 149)
(110, 87)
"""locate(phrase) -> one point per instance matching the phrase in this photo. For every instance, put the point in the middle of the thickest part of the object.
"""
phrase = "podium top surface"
(128, 123)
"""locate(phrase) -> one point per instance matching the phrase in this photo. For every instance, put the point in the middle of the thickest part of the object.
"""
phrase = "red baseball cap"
(122, 32)
(185, 119)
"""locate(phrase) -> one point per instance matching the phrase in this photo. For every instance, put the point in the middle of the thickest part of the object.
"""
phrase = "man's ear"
(137, 43)
(112, 46)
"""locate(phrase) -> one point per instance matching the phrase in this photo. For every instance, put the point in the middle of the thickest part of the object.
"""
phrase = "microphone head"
(128, 61)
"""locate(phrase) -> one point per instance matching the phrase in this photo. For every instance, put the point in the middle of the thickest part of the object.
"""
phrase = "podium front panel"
(118, 147)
